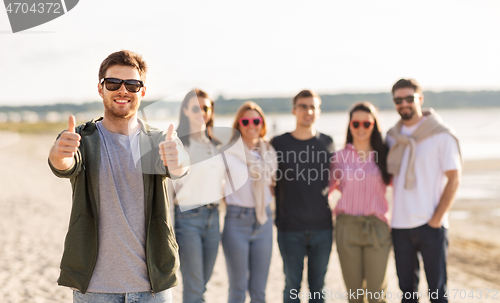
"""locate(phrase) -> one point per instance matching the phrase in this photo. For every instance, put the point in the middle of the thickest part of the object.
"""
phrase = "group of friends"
(123, 245)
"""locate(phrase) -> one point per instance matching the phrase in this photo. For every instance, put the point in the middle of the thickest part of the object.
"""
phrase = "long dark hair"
(376, 140)
(184, 129)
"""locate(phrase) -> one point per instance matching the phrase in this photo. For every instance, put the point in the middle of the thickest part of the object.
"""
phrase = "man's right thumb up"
(71, 124)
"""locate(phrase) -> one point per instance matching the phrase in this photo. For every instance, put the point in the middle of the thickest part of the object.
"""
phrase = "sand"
(34, 216)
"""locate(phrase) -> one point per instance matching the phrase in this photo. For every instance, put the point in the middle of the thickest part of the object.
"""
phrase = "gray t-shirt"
(121, 260)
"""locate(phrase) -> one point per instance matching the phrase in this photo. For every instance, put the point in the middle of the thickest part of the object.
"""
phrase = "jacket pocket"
(162, 244)
(80, 249)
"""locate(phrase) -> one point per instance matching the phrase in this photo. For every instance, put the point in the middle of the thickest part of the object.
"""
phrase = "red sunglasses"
(366, 124)
(244, 122)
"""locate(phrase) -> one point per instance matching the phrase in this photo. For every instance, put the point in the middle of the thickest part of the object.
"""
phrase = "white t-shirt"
(243, 196)
(204, 183)
(434, 156)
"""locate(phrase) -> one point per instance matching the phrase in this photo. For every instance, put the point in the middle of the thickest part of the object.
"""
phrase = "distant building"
(30, 117)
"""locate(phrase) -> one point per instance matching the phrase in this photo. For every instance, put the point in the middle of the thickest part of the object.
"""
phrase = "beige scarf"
(433, 125)
(262, 171)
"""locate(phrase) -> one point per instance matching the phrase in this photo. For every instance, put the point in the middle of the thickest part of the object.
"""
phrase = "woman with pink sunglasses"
(362, 226)
(247, 238)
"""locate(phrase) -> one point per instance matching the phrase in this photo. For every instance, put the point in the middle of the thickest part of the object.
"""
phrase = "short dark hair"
(403, 83)
(306, 93)
(127, 58)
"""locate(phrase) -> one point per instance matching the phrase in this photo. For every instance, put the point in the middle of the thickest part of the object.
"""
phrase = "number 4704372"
(36, 8)
(472, 294)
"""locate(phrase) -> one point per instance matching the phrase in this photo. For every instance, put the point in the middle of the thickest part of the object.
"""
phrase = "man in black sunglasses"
(425, 162)
(120, 243)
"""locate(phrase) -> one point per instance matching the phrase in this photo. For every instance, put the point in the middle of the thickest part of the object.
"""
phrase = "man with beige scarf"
(425, 161)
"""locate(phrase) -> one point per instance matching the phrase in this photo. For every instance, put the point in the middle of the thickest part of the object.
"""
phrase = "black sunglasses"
(132, 85)
(409, 99)
(196, 109)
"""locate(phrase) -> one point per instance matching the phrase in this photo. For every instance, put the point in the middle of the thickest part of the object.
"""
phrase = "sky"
(255, 48)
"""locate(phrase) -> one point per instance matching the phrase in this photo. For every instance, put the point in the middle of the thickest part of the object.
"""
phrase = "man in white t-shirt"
(426, 163)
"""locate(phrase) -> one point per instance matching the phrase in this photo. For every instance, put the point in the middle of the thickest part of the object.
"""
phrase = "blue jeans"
(132, 297)
(198, 235)
(432, 243)
(294, 246)
(247, 247)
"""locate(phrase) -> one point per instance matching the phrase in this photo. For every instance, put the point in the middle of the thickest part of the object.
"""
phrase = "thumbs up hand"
(172, 153)
(62, 152)
(69, 141)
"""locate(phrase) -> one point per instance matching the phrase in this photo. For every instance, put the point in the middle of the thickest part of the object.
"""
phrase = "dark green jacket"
(81, 244)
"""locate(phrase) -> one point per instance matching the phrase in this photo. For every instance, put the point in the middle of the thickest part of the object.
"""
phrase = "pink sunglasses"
(244, 122)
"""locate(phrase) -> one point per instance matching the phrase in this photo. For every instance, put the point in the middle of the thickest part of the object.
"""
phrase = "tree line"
(337, 102)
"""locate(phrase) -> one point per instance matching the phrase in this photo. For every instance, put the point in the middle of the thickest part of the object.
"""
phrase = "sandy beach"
(34, 215)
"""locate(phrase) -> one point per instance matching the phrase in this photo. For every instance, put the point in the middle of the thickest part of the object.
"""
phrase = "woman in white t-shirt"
(197, 195)
(248, 228)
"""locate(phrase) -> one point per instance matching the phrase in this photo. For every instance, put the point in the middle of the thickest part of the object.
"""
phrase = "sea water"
(477, 129)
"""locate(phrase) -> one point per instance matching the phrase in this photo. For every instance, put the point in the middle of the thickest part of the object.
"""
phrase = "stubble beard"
(115, 116)
(407, 116)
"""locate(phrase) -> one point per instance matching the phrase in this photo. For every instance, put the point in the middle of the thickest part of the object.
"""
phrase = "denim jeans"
(133, 297)
(432, 243)
(294, 246)
(198, 235)
(247, 247)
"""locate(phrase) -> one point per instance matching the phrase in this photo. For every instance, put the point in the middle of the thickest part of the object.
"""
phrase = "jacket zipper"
(148, 261)
(94, 261)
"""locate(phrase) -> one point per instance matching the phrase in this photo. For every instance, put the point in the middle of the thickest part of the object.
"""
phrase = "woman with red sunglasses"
(247, 238)
(362, 226)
